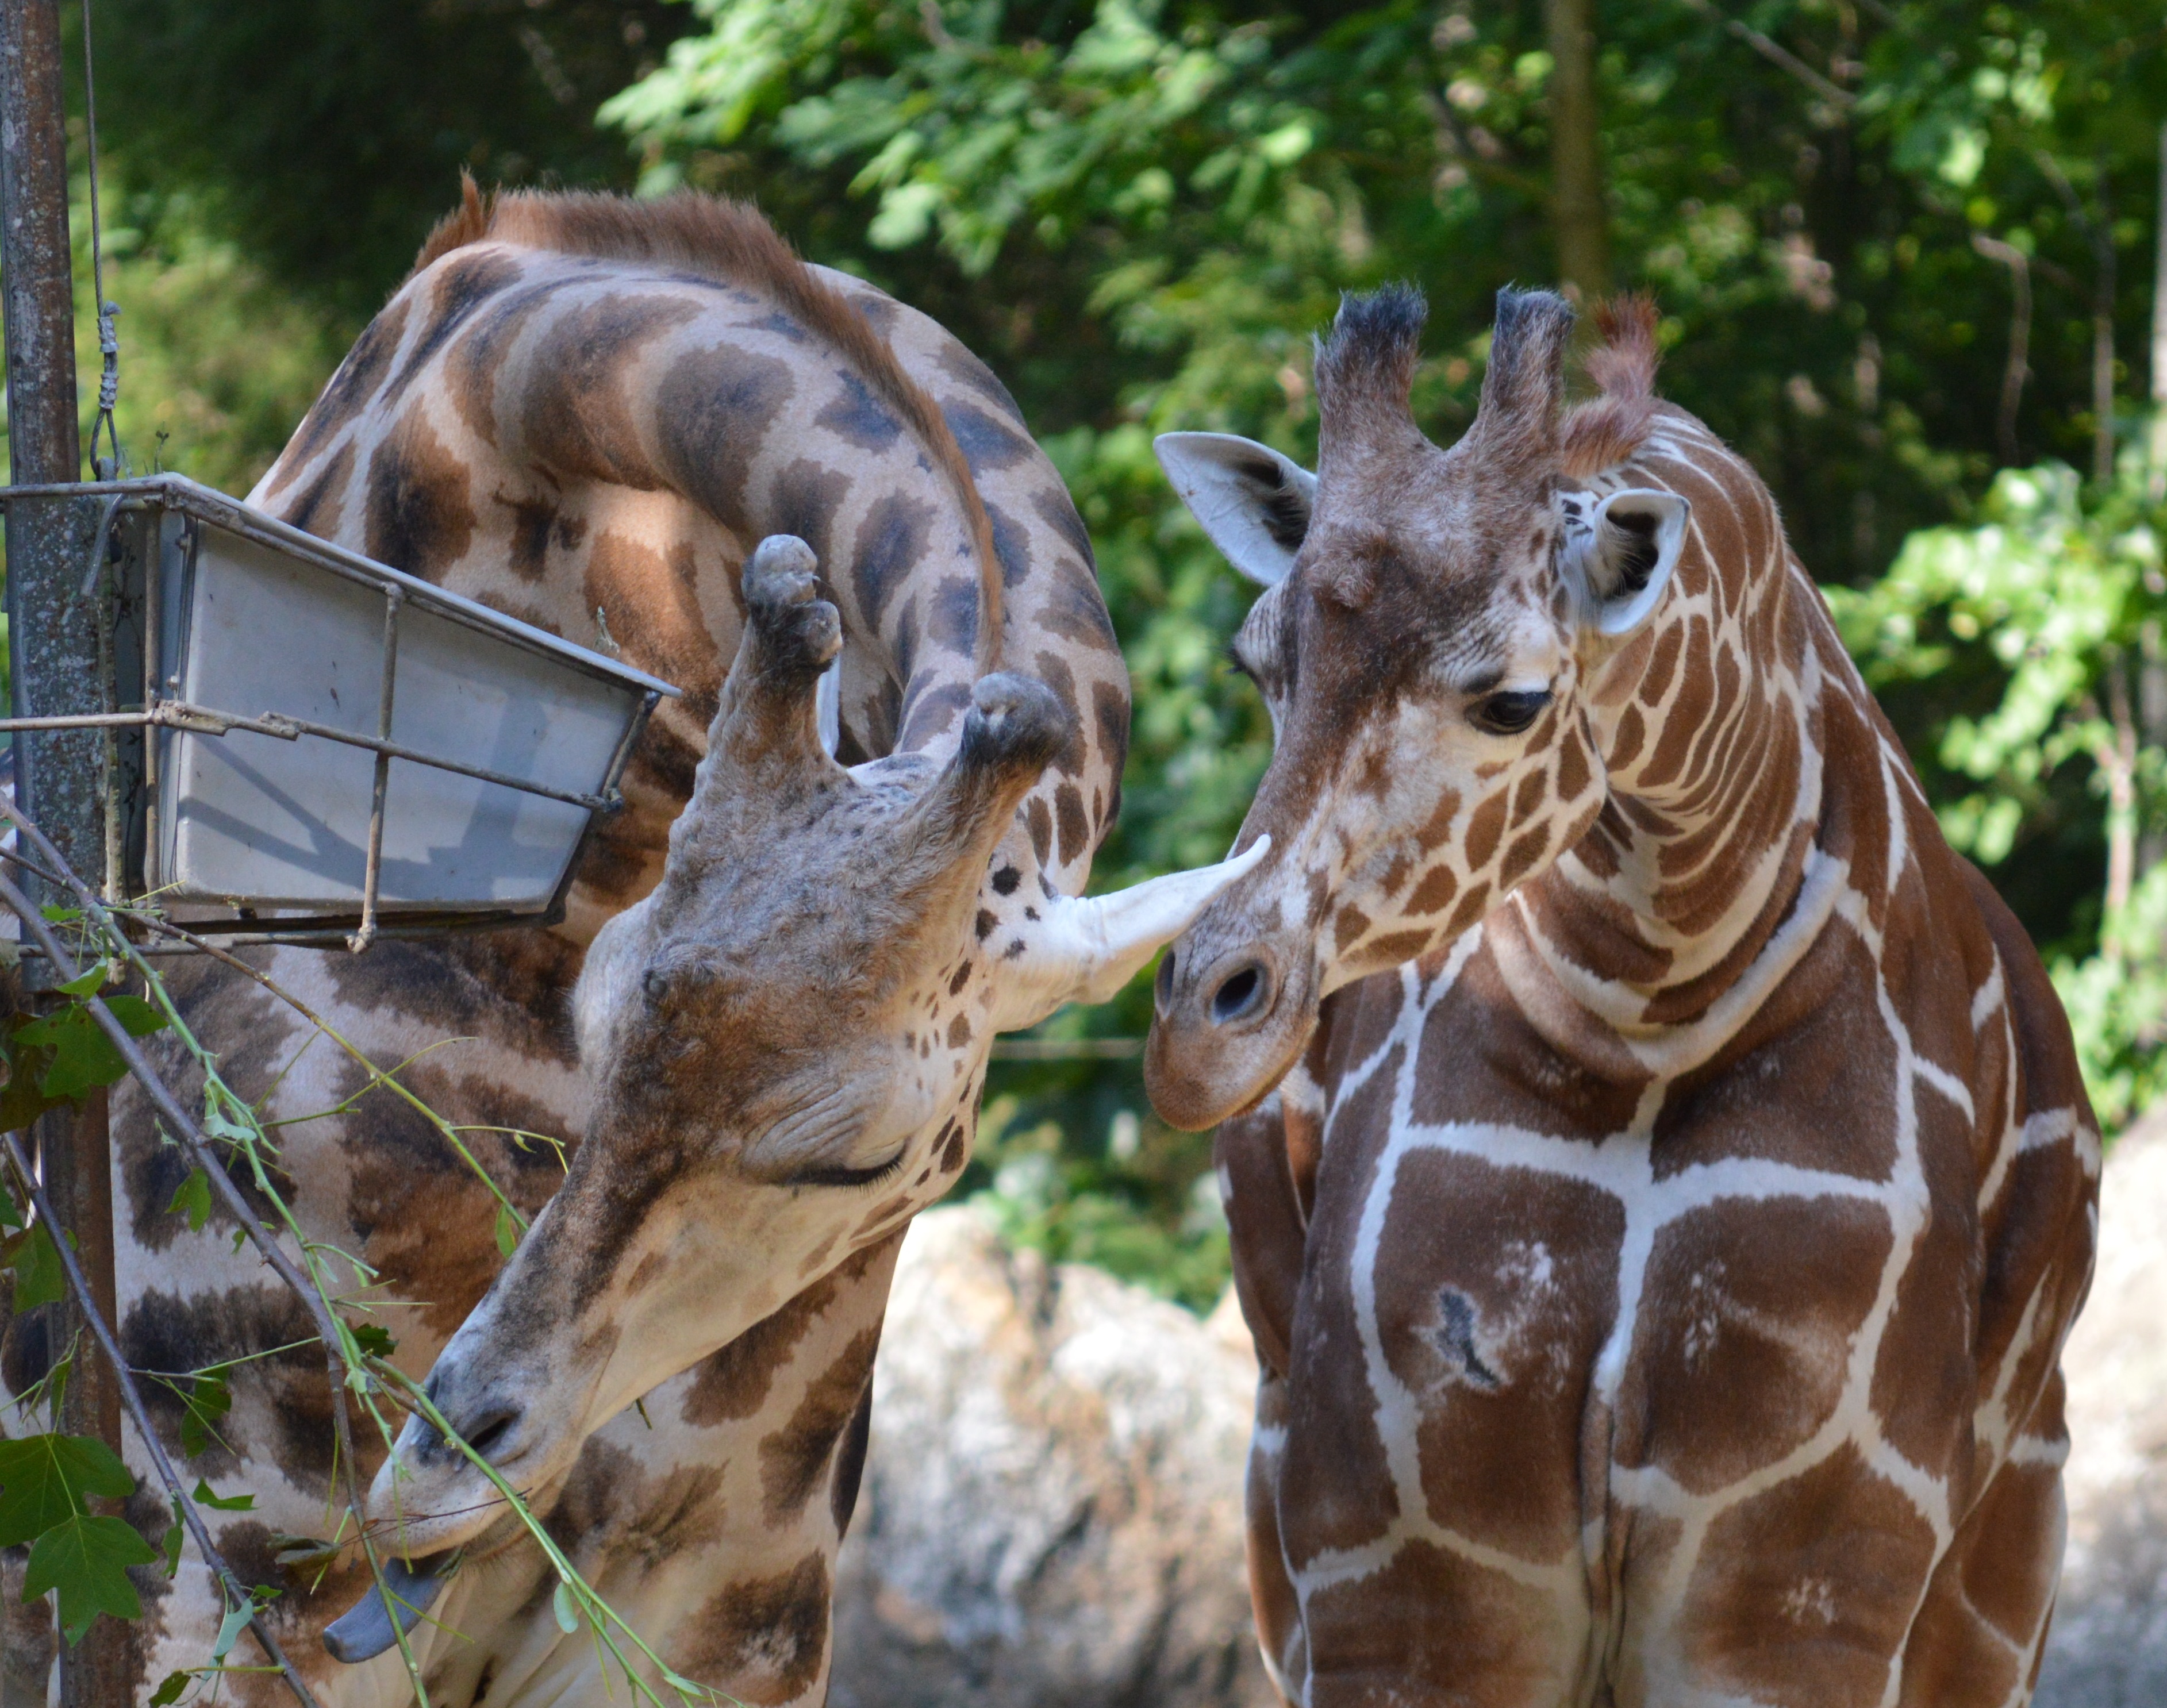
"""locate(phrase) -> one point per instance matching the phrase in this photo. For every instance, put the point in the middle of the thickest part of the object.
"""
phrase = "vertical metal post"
(53, 647)
(373, 870)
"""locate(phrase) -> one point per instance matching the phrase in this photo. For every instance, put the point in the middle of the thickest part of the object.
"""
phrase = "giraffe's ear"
(1621, 549)
(1251, 501)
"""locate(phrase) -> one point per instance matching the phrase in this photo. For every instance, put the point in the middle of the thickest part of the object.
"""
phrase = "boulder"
(2108, 1647)
(1052, 1510)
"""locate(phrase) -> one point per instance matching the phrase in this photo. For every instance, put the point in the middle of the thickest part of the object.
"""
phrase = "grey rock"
(2108, 1647)
(1052, 1511)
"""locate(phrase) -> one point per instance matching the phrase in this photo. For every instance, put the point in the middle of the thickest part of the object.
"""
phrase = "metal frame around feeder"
(201, 504)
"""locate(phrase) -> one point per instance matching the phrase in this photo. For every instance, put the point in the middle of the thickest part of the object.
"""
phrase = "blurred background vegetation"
(1905, 251)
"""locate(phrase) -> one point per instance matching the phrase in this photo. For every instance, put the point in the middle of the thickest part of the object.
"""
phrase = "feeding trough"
(306, 745)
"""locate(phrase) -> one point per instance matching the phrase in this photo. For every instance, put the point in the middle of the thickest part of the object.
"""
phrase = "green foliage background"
(1139, 210)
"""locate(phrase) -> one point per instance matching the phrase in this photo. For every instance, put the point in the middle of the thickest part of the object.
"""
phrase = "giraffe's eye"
(849, 1177)
(1510, 712)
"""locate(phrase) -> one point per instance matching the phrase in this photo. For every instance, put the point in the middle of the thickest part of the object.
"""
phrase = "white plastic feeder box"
(325, 749)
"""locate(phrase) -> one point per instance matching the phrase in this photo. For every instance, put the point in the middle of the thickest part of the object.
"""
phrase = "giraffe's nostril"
(1241, 996)
(487, 1433)
(1163, 986)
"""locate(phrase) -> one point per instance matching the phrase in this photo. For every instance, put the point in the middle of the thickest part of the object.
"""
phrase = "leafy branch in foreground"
(232, 1131)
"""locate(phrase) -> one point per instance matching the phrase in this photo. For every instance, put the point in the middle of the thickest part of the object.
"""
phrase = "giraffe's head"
(786, 1043)
(1431, 624)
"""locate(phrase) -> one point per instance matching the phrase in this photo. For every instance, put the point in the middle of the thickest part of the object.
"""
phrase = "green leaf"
(566, 1610)
(21, 1102)
(230, 1629)
(12, 1213)
(208, 1399)
(203, 1496)
(193, 1197)
(56, 1384)
(84, 1558)
(170, 1690)
(507, 1231)
(89, 982)
(83, 1057)
(373, 1339)
(297, 1551)
(138, 1019)
(169, 1545)
(57, 915)
(39, 1278)
(43, 1479)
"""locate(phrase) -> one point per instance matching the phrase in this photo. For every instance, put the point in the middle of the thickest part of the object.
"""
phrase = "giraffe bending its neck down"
(1662, 1240)
(650, 427)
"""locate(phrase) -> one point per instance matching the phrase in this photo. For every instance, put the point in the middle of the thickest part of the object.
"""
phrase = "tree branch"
(1778, 55)
(132, 1398)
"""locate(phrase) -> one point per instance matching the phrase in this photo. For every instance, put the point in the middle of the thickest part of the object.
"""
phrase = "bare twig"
(2100, 233)
(2018, 368)
(1778, 55)
(132, 1398)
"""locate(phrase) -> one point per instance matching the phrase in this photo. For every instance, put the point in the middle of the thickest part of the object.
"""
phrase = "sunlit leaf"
(230, 1629)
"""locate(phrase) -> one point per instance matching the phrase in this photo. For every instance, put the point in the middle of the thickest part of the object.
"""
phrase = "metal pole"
(53, 647)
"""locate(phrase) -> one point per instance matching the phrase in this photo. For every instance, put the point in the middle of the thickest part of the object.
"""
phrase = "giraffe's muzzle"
(1225, 1026)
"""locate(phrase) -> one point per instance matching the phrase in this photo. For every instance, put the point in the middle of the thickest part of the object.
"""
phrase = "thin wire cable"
(109, 338)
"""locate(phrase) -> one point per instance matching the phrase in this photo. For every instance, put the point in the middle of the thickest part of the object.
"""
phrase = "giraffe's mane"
(732, 242)
(1609, 428)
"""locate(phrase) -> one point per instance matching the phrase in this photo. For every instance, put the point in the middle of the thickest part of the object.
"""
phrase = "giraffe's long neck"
(1689, 887)
(595, 446)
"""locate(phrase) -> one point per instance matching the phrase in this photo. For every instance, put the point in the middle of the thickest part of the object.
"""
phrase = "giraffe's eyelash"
(1511, 713)
(850, 1176)
(1236, 663)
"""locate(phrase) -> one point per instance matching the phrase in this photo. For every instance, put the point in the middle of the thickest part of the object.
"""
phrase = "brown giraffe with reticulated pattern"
(1660, 1266)
(653, 429)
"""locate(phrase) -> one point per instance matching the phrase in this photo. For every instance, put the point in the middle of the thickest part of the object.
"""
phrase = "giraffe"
(1660, 1176)
(848, 859)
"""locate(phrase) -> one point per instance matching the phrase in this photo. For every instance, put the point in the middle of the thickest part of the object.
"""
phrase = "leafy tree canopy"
(1899, 245)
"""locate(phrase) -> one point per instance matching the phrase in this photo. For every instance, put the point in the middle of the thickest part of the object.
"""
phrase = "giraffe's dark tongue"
(365, 1630)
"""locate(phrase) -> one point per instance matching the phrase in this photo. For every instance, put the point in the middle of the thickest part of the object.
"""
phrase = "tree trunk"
(1580, 223)
(2156, 440)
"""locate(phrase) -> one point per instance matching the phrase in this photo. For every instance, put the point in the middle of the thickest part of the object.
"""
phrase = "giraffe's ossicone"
(1660, 1175)
(852, 853)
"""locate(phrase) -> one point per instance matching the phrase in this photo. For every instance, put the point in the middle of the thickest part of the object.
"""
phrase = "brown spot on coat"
(714, 409)
(764, 1640)
(890, 544)
(419, 517)
(1485, 826)
(986, 444)
(856, 415)
(793, 1459)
